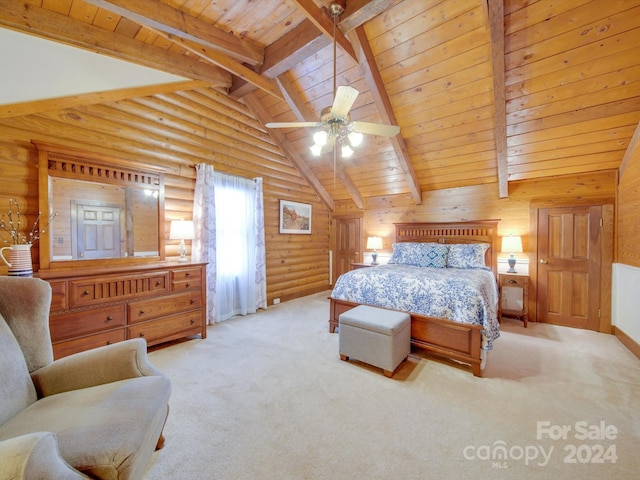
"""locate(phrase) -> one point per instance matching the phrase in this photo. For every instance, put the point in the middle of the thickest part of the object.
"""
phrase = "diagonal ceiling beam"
(324, 23)
(261, 114)
(26, 18)
(182, 29)
(304, 113)
(496, 25)
(376, 86)
(161, 16)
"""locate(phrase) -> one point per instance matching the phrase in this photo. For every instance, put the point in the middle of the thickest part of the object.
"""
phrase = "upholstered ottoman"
(376, 336)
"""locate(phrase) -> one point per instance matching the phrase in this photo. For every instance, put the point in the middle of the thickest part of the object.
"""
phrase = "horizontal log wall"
(176, 131)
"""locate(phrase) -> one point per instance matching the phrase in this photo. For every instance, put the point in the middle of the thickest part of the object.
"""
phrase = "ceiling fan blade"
(291, 124)
(345, 96)
(375, 128)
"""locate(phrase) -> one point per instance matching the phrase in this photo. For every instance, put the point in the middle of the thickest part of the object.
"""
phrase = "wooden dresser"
(158, 302)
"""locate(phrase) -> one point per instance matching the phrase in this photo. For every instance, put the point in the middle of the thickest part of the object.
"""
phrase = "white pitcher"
(19, 262)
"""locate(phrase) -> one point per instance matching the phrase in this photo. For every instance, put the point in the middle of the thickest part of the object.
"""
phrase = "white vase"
(19, 262)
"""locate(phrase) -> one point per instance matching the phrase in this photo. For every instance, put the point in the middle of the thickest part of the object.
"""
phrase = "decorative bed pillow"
(467, 255)
(420, 254)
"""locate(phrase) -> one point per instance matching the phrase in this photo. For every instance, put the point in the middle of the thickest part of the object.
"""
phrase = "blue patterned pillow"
(471, 255)
(420, 254)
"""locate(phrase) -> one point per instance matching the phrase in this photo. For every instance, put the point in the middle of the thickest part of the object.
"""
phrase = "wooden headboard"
(481, 231)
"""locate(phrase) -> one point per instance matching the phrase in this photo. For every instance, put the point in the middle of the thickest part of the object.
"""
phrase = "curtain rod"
(227, 174)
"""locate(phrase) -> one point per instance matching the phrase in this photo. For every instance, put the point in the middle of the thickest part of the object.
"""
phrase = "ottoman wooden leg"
(388, 374)
(344, 358)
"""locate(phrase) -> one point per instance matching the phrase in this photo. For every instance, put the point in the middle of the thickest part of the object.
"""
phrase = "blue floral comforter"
(462, 295)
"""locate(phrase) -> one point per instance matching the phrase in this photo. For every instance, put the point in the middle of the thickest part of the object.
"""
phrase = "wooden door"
(569, 264)
(348, 244)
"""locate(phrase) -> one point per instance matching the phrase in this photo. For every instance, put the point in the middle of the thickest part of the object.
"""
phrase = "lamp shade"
(512, 244)
(181, 230)
(374, 243)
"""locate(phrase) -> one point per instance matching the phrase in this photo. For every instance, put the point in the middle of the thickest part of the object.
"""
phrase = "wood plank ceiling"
(485, 92)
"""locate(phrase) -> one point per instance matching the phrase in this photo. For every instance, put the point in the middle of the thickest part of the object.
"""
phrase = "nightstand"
(356, 265)
(514, 296)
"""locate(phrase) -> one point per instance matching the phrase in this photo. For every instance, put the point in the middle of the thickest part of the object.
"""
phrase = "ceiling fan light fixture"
(355, 138)
(320, 137)
(346, 151)
(316, 150)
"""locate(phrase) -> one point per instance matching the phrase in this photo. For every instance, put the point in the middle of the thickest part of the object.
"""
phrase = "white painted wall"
(36, 69)
(625, 311)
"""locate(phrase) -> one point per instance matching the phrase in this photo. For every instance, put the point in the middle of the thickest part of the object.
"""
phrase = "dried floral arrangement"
(14, 223)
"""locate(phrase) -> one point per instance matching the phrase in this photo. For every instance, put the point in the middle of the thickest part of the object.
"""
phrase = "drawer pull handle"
(86, 292)
(188, 284)
(192, 321)
(109, 318)
(141, 312)
(512, 282)
(109, 342)
(142, 334)
(188, 274)
(193, 301)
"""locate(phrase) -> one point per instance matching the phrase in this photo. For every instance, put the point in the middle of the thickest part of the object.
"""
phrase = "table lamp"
(374, 243)
(181, 230)
(512, 244)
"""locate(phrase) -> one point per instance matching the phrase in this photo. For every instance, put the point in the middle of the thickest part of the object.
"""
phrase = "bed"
(449, 332)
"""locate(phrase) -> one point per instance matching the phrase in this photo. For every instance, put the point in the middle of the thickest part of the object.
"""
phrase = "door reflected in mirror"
(98, 221)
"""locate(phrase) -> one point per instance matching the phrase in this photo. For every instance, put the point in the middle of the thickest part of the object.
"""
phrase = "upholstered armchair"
(95, 414)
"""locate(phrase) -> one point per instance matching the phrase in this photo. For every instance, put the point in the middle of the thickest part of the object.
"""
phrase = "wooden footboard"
(457, 341)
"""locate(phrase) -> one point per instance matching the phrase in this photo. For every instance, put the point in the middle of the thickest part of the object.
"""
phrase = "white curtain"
(228, 219)
(203, 246)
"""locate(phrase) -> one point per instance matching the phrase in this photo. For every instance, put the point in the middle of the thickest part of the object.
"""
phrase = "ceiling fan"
(335, 122)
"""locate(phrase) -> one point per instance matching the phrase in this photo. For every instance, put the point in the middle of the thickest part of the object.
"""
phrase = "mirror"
(107, 212)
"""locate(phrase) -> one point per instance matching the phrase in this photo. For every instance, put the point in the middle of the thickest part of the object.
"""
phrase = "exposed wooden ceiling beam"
(228, 64)
(321, 19)
(261, 114)
(496, 25)
(376, 87)
(26, 18)
(289, 50)
(359, 12)
(38, 106)
(177, 27)
(304, 114)
(161, 16)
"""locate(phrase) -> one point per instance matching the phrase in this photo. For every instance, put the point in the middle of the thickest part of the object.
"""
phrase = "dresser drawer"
(186, 279)
(108, 289)
(69, 347)
(143, 310)
(95, 320)
(168, 328)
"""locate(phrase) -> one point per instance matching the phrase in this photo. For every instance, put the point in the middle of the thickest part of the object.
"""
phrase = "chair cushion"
(17, 391)
(107, 431)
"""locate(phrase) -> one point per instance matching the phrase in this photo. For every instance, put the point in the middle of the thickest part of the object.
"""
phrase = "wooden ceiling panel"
(571, 86)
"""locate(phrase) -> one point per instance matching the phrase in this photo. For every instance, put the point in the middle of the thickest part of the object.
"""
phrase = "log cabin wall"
(482, 202)
(176, 131)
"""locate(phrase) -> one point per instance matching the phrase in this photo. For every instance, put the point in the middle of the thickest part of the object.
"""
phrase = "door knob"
(542, 260)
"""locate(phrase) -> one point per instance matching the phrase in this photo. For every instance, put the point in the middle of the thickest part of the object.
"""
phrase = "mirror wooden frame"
(62, 162)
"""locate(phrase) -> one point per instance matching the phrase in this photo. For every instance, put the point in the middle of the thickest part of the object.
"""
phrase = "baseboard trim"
(627, 341)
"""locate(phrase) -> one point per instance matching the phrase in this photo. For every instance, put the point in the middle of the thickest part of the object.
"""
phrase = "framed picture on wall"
(295, 217)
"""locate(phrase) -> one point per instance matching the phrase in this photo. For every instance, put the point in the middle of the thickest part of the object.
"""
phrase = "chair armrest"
(107, 364)
(35, 455)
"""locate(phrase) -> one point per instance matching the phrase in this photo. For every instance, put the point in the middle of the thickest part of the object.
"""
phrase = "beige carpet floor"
(266, 397)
